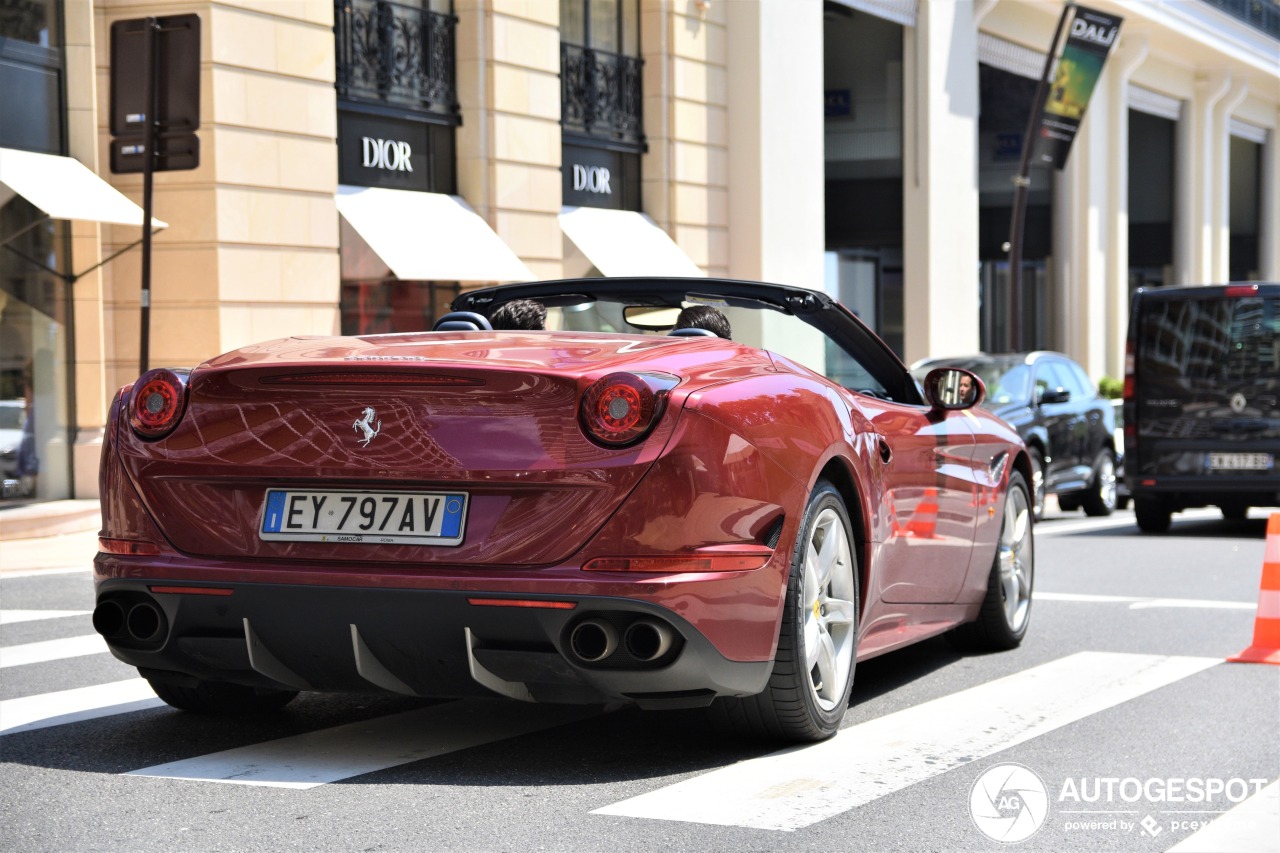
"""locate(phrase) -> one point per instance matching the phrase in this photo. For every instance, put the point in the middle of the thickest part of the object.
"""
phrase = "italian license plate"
(424, 518)
(1241, 461)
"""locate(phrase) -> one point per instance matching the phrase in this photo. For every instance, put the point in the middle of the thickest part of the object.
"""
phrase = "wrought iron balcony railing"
(1262, 15)
(398, 55)
(601, 95)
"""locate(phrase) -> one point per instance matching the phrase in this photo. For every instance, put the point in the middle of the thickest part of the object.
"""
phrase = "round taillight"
(157, 403)
(618, 409)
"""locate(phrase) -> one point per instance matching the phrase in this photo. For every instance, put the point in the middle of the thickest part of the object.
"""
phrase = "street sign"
(161, 53)
(155, 112)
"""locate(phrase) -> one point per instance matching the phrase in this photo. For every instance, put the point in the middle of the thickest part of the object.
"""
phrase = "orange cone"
(1266, 629)
(924, 520)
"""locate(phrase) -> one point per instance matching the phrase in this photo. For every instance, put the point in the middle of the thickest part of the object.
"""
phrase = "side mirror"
(1054, 395)
(953, 388)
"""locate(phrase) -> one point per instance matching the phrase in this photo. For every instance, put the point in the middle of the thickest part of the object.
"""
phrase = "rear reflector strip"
(722, 562)
(128, 547)
(522, 602)
(1242, 290)
(190, 590)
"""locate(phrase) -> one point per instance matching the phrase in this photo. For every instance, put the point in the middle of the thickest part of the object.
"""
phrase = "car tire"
(1006, 610)
(221, 698)
(808, 690)
(1153, 515)
(1037, 482)
(1234, 511)
(1068, 503)
(1122, 502)
(1100, 499)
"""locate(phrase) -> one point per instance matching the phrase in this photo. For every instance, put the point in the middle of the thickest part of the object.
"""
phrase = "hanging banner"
(1089, 40)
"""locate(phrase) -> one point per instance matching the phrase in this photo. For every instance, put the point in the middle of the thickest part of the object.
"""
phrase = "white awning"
(429, 236)
(625, 243)
(64, 188)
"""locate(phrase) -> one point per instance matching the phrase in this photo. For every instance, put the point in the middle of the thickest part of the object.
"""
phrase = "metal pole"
(149, 155)
(1021, 185)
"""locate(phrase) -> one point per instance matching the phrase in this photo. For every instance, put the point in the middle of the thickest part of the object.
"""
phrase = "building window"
(601, 95)
(398, 55)
(31, 69)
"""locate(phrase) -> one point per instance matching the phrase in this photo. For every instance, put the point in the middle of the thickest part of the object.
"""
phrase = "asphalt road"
(1116, 726)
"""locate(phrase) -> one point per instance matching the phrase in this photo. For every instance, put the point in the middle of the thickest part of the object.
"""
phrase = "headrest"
(462, 321)
(692, 333)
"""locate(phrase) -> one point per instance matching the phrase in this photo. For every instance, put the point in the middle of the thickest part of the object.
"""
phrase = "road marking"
(1060, 525)
(797, 787)
(12, 617)
(39, 573)
(1244, 827)
(328, 755)
(1140, 603)
(42, 652)
(72, 706)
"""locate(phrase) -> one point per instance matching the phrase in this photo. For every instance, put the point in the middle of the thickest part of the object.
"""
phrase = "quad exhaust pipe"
(647, 640)
(593, 640)
(135, 621)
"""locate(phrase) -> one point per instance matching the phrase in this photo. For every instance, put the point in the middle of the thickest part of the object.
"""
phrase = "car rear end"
(1202, 400)
(440, 515)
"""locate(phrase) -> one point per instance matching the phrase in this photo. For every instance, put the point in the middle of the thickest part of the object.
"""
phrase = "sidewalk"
(51, 535)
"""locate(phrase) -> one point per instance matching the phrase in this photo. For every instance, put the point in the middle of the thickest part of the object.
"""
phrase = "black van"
(1202, 400)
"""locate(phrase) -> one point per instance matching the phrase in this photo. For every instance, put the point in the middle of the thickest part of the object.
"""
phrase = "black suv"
(1067, 426)
(1202, 400)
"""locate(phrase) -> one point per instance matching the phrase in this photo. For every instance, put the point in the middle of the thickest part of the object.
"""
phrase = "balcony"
(1262, 15)
(396, 55)
(601, 97)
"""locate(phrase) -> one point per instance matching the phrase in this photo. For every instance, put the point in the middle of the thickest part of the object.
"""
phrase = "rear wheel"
(1006, 610)
(808, 691)
(218, 697)
(1153, 515)
(1100, 499)
(1234, 511)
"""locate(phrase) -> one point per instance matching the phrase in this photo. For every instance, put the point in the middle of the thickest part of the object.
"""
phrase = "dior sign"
(386, 154)
(592, 179)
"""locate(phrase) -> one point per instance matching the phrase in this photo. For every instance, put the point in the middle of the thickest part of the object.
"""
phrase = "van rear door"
(1203, 404)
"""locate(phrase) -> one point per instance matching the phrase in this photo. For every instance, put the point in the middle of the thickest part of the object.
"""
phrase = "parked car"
(12, 415)
(598, 513)
(1069, 428)
(1202, 400)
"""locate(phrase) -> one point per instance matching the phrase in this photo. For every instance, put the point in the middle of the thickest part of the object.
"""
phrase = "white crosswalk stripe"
(51, 650)
(795, 788)
(328, 755)
(12, 617)
(72, 706)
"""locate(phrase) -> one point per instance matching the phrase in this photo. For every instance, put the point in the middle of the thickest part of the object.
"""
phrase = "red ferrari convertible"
(601, 511)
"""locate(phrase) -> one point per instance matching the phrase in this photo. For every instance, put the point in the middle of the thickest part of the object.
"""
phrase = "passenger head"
(704, 317)
(520, 314)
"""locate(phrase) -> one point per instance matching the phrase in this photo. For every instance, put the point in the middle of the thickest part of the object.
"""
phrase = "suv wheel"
(1100, 499)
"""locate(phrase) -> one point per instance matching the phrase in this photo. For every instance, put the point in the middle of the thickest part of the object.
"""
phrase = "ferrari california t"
(598, 511)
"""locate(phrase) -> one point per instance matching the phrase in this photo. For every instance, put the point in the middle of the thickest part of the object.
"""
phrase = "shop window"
(601, 94)
(382, 306)
(397, 93)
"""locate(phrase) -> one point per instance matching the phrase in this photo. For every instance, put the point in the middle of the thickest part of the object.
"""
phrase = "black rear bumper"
(426, 643)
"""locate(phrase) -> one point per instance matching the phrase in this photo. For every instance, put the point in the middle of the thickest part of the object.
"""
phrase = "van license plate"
(1241, 461)
(370, 518)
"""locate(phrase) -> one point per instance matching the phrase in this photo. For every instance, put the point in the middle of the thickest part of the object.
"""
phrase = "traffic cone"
(1266, 628)
(924, 521)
